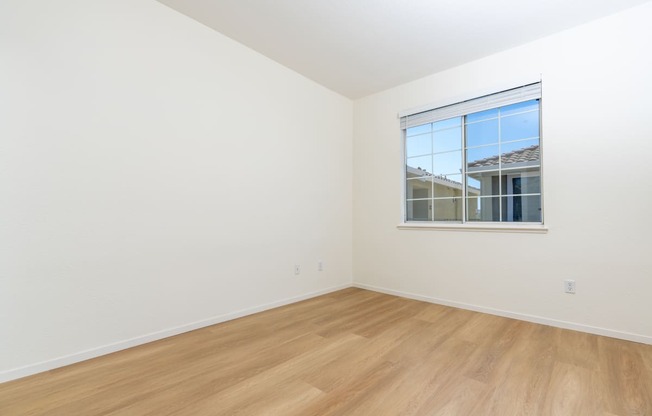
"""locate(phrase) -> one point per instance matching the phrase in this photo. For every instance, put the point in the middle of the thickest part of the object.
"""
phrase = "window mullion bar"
(432, 163)
(464, 184)
(500, 171)
(541, 162)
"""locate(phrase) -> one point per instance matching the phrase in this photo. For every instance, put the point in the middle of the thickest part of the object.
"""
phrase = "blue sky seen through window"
(437, 147)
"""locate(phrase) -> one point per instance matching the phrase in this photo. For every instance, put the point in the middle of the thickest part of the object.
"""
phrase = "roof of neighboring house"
(526, 154)
(422, 172)
(440, 179)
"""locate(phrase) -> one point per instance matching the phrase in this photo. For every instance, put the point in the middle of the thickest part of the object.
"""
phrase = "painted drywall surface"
(155, 173)
(597, 181)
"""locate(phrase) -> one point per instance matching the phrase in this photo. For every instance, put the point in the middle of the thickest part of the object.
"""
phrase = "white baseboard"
(644, 339)
(42, 366)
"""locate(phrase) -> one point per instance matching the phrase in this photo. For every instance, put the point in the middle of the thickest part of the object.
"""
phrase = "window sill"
(483, 227)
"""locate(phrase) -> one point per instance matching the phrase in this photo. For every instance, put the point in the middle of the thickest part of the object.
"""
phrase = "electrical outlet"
(320, 266)
(297, 269)
(569, 286)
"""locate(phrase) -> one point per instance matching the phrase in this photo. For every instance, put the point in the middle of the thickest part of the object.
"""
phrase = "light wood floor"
(353, 352)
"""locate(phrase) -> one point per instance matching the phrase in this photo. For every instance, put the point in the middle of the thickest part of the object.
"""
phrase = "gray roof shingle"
(526, 154)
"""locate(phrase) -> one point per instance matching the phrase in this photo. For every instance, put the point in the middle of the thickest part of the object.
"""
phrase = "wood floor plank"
(625, 379)
(458, 398)
(346, 397)
(569, 392)
(481, 328)
(484, 366)
(577, 348)
(353, 352)
(398, 395)
(438, 376)
(531, 365)
(236, 395)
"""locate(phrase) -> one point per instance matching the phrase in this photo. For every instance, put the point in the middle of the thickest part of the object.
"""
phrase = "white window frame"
(448, 109)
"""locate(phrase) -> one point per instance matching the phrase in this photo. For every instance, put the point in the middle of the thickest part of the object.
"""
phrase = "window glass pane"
(484, 132)
(531, 105)
(473, 185)
(523, 208)
(448, 209)
(448, 123)
(482, 158)
(416, 173)
(447, 163)
(520, 153)
(473, 209)
(419, 188)
(519, 126)
(418, 145)
(416, 164)
(527, 182)
(445, 140)
(448, 186)
(483, 184)
(482, 115)
(483, 209)
(419, 210)
(413, 131)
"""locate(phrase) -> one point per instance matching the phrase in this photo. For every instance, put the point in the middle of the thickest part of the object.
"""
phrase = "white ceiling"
(359, 47)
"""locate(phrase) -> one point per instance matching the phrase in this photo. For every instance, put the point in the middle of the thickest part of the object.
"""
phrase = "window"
(476, 161)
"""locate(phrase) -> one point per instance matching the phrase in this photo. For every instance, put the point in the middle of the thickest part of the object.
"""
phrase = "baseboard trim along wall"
(31, 369)
(644, 339)
(40, 367)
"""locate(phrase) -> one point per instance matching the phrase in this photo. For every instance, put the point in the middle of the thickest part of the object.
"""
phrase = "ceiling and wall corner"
(362, 47)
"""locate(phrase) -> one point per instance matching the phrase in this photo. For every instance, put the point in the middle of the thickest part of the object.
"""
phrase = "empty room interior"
(427, 207)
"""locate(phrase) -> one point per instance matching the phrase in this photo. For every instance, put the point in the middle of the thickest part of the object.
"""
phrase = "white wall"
(155, 176)
(597, 145)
